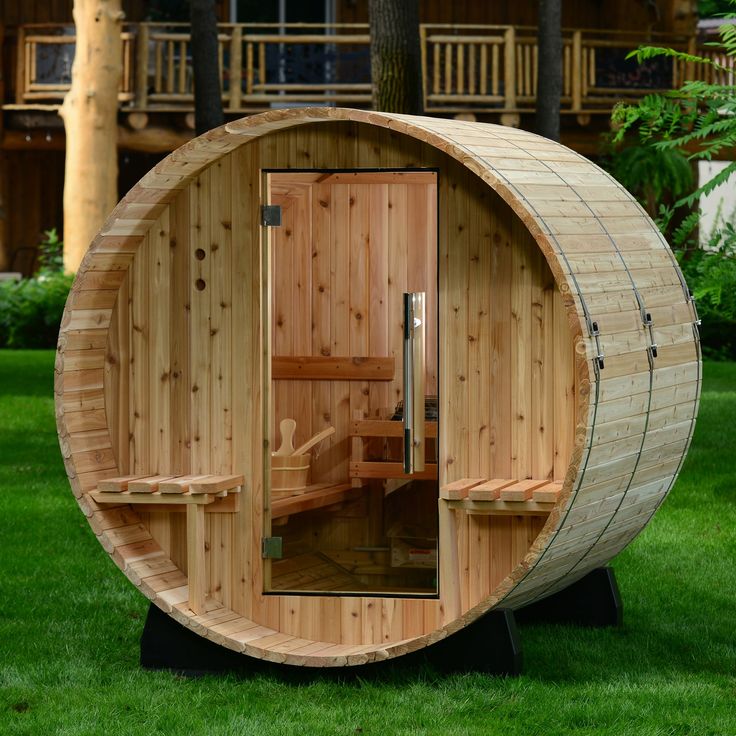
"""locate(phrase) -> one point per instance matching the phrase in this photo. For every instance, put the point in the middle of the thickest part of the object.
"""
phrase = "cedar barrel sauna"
(495, 336)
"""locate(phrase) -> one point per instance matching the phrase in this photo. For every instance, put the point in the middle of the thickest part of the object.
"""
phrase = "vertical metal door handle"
(414, 376)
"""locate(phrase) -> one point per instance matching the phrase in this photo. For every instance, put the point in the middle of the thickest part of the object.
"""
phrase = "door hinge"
(272, 548)
(271, 215)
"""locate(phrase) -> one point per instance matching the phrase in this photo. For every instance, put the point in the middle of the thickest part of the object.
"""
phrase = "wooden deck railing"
(44, 63)
(494, 68)
(260, 64)
(466, 68)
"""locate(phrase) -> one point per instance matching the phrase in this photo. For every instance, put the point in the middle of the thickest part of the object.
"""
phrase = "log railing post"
(249, 69)
(423, 52)
(509, 69)
(20, 74)
(141, 71)
(689, 67)
(236, 67)
(577, 71)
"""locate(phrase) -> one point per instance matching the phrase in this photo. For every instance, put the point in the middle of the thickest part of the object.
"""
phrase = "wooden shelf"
(502, 508)
(315, 497)
(503, 497)
(152, 499)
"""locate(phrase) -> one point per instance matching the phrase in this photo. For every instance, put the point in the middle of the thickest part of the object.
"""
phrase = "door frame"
(266, 247)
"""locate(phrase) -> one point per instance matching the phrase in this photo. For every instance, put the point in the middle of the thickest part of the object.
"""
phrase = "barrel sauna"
(493, 334)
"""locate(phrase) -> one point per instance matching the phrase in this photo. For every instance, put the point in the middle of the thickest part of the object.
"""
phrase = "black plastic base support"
(491, 644)
(593, 601)
(167, 645)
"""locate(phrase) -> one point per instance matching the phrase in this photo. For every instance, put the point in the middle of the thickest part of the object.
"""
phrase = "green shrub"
(651, 175)
(711, 275)
(31, 309)
(52, 252)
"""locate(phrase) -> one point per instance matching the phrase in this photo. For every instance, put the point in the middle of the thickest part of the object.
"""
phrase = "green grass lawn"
(70, 622)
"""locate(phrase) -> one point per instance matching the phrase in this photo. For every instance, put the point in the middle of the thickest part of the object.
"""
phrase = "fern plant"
(651, 175)
(698, 121)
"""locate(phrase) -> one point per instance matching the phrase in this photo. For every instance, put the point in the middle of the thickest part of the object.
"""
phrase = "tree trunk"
(207, 91)
(395, 56)
(90, 112)
(5, 254)
(549, 68)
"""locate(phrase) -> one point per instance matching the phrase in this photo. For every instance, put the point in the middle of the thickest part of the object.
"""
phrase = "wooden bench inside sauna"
(487, 339)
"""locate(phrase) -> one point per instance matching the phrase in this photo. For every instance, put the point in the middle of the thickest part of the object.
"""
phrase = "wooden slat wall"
(608, 14)
(15, 12)
(31, 186)
(500, 384)
(629, 14)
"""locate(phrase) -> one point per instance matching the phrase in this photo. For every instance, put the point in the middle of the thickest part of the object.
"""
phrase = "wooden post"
(236, 67)
(249, 68)
(692, 49)
(141, 71)
(577, 71)
(509, 69)
(20, 72)
(90, 113)
(423, 52)
(261, 63)
(196, 570)
(449, 566)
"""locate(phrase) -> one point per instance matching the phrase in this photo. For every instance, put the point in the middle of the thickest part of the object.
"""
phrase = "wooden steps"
(499, 496)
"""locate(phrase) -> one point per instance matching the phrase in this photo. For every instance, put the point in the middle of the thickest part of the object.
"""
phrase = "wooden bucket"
(289, 474)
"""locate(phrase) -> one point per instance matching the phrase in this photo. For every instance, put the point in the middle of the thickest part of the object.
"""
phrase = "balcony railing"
(465, 68)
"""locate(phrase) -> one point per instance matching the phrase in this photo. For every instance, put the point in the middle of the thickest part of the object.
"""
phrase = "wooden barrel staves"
(329, 266)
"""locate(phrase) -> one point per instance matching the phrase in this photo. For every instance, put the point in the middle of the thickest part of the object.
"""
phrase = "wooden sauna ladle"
(324, 434)
(288, 427)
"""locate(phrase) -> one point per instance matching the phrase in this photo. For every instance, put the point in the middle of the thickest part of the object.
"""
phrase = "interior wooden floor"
(344, 571)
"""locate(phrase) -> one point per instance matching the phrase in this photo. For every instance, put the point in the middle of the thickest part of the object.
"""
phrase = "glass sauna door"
(352, 315)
